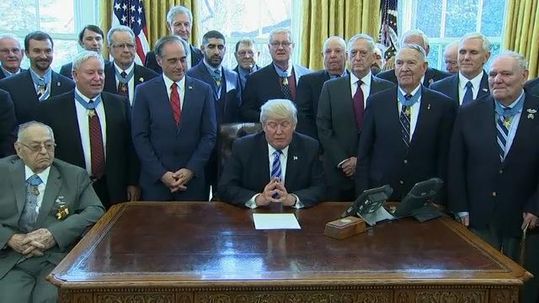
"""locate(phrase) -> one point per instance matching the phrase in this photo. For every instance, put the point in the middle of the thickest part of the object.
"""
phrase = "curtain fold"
(521, 34)
(324, 18)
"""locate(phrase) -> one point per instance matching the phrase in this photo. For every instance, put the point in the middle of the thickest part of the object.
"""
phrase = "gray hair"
(176, 10)
(452, 44)
(521, 60)
(279, 109)
(415, 32)
(83, 56)
(158, 49)
(21, 132)
(352, 41)
(418, 48)
(120, 28)
(10, 36)
(280, 31)
(246, 41)
(485, 43)
(339, 39)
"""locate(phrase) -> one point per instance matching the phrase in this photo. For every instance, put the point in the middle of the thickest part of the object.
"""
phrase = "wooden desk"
(211, 253)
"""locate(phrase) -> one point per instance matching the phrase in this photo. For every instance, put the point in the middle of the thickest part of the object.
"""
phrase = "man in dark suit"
(46, 205)
(431, 75)
(8, 124)
(122, 75)
(310, 85)
(532, 87)
(406, 133)
(10, 56)
(275, 81)
(180, 23)
(28, 88)
(246, 55)
(276, 166)
(340, 116)
(471, 82)
(173, 128)
(493, 176)
(109, 159)
(90, 38)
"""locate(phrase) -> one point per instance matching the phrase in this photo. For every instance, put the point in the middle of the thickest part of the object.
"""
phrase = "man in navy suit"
(8, 124)
(431, 75)
(180, 23)
(340, 116)
(276, 166)
(10, 56)
(278, 80)
(246, 55)
(493, 176)
(90, 38)
(406, 133)
(532, 87)
(471, 82)
(173, 128)
(28, 88)
(115, 179)
(310, 85)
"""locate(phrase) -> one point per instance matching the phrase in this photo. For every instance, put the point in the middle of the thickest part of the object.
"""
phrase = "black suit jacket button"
(494, 194)
(401, 182)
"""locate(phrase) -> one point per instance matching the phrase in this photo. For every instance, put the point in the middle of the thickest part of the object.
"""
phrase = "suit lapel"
(73, 132)
(32, 92)
(292, 163)
(262, 157)
(17, 181)
(525, 127)
(423, 118)
(54, 184)
(483, 87)
(187, 106)
(110, 78)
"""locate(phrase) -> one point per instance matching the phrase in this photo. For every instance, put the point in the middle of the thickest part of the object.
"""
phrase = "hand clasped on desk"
(275, 192)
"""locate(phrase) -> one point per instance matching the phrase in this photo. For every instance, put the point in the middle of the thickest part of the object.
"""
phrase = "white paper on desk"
(276, 221)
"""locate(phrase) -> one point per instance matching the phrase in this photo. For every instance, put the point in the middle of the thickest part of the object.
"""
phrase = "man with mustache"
(11, 56)
(39, 82)
(90, 38)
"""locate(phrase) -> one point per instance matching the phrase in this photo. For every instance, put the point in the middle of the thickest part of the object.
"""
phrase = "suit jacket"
(490, 190)
(24, 96)
(141, 74)
(246, 173)
(242, 83)
(121, 165)
(228, 101)
(532, 87)
(151, 60)
(162, 146)
(431, 75)
(337, 125)
(450, 87)
(8, 124)
(307, 96)
(66, 183)
(383, 157)
(261, 86)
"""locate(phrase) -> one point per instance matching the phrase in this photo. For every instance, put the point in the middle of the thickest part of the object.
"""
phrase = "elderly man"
(451, 52)
(90, 38)
(122, 75)
(406, 133)
(108, 155)
(310, 85)
(40, 82)
(493, 176)
(246, 56)
(340, 116)
(46, 206)
(173, 128)
(471, 81)
(180, 23)
(276, 166)
(431, 75)
(10, 56)
(277, 80)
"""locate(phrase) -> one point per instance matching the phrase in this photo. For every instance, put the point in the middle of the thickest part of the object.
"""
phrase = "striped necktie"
(503, 123)
(276, 171)
(404, 119)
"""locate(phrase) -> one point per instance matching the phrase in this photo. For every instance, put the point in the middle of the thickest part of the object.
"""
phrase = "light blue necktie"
(468, 95)
(29, 213)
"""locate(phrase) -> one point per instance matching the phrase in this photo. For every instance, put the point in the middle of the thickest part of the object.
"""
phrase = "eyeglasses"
(276, 44)
(124, 45)
(37, 147)
(10, 50)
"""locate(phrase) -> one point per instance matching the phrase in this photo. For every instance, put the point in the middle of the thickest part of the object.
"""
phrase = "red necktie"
(175, 103)
(358, 105)
(97, 152)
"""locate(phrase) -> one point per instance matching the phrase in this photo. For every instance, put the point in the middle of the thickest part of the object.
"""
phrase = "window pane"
(18, 16)
(434, 53)
(428, 16)
(492, 18)
(57, 16)
(461, 17)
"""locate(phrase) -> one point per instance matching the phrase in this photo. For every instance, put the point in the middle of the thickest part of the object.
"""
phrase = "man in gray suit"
(340, 116)
(46, 206)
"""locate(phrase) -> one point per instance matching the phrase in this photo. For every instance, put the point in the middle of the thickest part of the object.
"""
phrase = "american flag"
(388, 30)
(131, 13)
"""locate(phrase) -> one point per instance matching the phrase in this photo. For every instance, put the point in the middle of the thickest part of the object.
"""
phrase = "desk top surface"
(198, 242)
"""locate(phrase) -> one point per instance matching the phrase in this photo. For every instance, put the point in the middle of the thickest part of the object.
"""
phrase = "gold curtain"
(521, 33)
(156, 16)
(324, 18)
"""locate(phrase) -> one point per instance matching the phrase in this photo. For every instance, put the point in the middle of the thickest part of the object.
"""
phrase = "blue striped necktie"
(276, 165)
(404, 119)
(503, 123)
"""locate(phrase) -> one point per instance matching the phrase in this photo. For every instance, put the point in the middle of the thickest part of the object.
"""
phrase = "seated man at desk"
(277, 165)
(46, 206)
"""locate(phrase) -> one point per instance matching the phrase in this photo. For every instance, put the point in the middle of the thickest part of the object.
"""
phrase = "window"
(444, 21)
(62, 19)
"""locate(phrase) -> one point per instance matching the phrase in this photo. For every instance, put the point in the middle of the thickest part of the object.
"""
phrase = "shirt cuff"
(298, 203)
(251, 203)
(341, 163)
(462, 214)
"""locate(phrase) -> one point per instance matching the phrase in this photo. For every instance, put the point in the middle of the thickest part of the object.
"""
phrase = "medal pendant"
(35, 191)
(91, 113)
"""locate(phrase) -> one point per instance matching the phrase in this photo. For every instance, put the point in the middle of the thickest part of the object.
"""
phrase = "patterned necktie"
(29, 213)
(285, 88)
(217, 77)
(123, 87)
(404, 119)
(359, 109)
(503, 123)
(97, 152)
(276, 172)
(468, 95)
(175, 103)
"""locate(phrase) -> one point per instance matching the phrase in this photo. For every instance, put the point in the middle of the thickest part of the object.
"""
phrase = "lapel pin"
(295, 157)
(141, 79)
(431, 81)
(428, 106)
(485, 89)
(190, 87)
(531, 113)
(58, 84)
